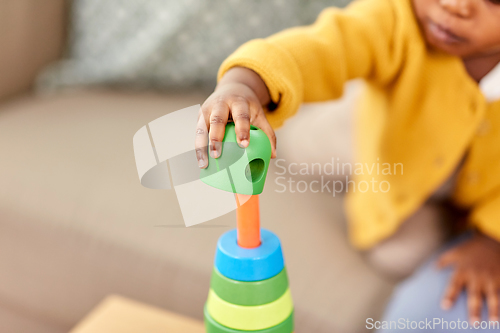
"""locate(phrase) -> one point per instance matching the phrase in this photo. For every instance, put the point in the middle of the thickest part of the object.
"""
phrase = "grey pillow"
(166, 43)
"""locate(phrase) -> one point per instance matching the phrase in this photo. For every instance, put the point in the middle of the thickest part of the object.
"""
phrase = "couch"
(76, 225)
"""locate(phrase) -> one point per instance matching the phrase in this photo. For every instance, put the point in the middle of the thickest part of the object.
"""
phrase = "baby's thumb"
(263, 124)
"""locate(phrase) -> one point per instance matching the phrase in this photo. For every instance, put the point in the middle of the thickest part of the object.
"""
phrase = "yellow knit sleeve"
(486, 217)
(312, 63)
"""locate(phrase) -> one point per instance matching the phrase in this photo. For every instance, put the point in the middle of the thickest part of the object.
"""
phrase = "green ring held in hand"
(214, 327)
(249, 293)
(239, 170)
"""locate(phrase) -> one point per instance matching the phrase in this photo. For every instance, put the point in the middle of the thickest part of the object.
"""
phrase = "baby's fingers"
(474, 300)
(261, 122)
(218, 121)
(201, 141)
(492, 301)
(241, 117)
(453, 291)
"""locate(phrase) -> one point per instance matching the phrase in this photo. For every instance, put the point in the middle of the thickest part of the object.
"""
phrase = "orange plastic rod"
(248, 221)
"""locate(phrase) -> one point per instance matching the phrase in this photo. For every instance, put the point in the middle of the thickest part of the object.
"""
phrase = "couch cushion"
(166, 44)
(31, 36)
(76, 225)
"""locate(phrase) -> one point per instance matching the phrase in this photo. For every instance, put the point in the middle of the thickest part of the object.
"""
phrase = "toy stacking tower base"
(249, 288)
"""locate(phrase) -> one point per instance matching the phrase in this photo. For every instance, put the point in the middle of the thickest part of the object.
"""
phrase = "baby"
(432, 103)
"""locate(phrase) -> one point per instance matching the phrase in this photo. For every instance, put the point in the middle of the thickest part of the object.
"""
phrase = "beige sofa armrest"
(32, 34)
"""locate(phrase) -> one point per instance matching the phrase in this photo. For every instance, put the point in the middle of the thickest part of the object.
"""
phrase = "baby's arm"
(303, 64)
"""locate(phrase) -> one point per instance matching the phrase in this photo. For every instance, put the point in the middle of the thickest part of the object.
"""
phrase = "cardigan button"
(472, 177)
(439, 161)
(473, 105)
(401, 198)
(484, 128)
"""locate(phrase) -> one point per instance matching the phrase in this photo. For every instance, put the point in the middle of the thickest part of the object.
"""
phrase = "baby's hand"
(233, 98)
(477, 270)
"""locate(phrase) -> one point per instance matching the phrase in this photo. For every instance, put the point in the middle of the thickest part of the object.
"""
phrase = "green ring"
(214, 327)
(249, 293)
(249, 318)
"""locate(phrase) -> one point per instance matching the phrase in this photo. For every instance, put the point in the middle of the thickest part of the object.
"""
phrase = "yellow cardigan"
(421, 109)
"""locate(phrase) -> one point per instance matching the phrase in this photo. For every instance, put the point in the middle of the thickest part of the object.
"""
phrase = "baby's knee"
(414, 242)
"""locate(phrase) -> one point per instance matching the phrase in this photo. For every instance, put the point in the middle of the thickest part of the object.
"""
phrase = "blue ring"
(260, 263)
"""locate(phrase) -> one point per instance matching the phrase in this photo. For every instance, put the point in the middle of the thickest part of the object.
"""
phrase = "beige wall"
(31, 35)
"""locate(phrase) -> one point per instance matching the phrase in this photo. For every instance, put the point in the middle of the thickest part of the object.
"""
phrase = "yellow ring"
(249, 318)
